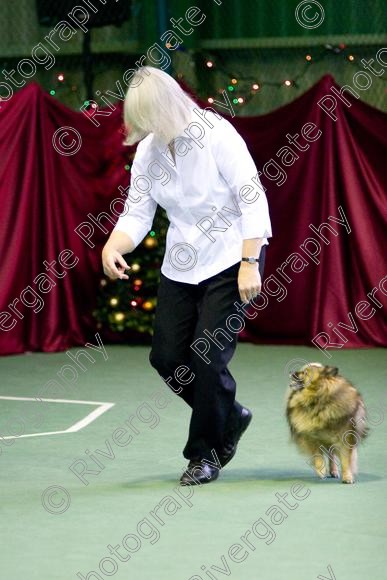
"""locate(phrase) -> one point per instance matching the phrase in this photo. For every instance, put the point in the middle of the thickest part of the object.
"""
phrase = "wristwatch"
(250, 260)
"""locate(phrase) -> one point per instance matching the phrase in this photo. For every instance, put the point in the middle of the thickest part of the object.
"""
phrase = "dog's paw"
(348, 479)
(334, 474)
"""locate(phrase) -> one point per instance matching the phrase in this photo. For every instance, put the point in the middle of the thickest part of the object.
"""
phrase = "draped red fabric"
(45, 195)
(325, 281)
(345, 167)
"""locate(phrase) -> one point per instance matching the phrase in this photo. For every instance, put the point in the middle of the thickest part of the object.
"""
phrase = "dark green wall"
(238, 18)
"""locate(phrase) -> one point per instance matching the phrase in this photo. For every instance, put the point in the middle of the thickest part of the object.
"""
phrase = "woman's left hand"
(249, 281)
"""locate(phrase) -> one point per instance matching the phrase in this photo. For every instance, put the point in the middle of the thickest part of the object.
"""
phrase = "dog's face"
(310, 374)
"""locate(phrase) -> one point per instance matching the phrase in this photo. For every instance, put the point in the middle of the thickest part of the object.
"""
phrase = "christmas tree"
(129, 305)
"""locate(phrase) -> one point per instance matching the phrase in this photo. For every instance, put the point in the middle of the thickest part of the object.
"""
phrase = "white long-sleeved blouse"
(210, 190)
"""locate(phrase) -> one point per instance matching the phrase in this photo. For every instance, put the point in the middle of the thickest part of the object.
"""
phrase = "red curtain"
(47, 195)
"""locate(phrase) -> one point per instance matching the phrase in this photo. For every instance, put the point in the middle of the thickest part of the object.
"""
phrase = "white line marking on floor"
(92, 416)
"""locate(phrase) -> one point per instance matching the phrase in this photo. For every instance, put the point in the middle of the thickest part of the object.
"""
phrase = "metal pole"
(87, 65)
(162, 22)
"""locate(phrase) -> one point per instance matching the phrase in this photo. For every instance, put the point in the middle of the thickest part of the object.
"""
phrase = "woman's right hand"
(114, 265)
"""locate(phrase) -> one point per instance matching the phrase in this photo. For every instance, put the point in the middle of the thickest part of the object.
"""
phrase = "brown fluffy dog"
(326, 416)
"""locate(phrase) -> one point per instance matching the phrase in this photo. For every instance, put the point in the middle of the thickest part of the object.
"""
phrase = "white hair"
(155, 103)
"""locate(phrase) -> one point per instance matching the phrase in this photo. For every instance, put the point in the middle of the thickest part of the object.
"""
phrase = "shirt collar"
(161, 145)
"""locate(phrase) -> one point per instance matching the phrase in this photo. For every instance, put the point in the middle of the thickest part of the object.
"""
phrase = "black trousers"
(186, 313)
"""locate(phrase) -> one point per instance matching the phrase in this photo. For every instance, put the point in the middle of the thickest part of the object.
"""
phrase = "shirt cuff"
(252, 230)
(132, 228)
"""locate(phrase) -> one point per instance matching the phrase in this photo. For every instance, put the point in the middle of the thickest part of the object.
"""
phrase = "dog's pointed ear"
(331, 371)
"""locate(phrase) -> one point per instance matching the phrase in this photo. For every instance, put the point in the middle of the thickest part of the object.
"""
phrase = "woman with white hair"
(195, 165)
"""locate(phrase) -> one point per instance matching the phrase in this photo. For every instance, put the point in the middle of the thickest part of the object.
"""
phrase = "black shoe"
(199, 472)
(233, 437)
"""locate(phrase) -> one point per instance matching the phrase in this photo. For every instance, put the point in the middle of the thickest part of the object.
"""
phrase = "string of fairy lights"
(243, 88)
(60, 84)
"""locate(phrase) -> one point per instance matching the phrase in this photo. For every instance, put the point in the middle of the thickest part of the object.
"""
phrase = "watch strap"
(251, 260)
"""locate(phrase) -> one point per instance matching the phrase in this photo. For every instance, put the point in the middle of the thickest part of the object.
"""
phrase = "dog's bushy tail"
(359, 420)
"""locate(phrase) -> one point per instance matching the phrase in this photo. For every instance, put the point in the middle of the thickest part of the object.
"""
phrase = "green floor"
(335, 532)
